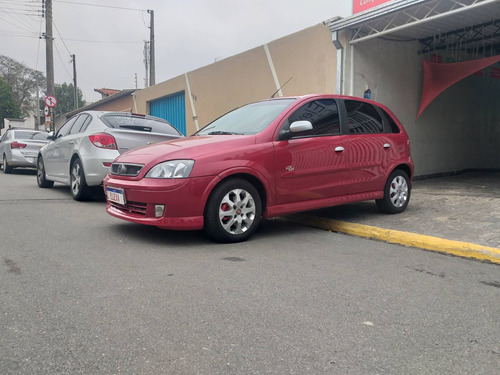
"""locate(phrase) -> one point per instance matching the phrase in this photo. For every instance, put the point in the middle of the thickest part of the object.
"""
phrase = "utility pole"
(49, 55)
(49, 49)
(146, 62)
(152, 47)
(75, 87)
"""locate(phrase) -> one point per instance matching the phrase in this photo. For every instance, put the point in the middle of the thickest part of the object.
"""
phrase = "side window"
(76, 128)
(323, 115)
(85, 125)
(65, 129)
(392, 124)
(363, 118)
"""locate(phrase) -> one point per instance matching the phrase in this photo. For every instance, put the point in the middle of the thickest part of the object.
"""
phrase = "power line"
(17, 25)
(60, 36)
(101, 6)
(60, 58)
(102, 41)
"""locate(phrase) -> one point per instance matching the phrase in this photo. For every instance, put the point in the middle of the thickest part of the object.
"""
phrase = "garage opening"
(171, 108)
(385, 50)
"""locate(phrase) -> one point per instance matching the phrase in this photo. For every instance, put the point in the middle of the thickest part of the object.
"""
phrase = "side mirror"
(300, 126)
(295, 127)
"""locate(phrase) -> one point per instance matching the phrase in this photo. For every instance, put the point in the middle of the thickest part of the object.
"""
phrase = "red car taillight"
(17, 145)
(103, 140)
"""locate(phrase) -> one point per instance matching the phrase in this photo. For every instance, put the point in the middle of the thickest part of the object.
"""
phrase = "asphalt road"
(84, 293)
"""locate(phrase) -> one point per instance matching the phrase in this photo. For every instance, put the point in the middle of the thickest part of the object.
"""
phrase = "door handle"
(339, 149)
(387, 145)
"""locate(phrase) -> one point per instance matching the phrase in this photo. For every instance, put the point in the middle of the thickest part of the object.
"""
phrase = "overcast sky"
(108, 37)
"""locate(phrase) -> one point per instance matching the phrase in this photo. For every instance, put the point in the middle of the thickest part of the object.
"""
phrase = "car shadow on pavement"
(23, 171)
(271, 228)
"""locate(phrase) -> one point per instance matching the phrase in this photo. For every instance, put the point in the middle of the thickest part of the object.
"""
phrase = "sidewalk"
(463, 208)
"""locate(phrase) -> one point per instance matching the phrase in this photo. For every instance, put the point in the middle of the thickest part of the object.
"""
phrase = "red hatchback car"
(266, 159)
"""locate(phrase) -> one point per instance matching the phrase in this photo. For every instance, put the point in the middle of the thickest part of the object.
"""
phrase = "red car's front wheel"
(233, 211)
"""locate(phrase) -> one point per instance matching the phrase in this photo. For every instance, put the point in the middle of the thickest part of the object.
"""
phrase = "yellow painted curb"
(462, 249)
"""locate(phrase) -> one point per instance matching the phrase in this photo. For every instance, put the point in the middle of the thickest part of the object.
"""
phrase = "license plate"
(115, 195)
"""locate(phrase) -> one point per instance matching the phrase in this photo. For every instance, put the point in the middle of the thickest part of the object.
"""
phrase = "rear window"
(138, 123)
(30, 135)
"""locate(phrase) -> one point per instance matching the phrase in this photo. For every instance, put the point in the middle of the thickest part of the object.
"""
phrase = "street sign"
(51, 101)
(46, 111)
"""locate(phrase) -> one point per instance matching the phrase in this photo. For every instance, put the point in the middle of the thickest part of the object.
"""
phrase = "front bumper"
(183, 199)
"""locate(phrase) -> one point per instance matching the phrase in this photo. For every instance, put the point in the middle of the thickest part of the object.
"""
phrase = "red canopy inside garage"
(439, 76)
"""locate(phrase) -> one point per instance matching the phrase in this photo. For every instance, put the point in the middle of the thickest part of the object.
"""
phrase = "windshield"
(249, 119)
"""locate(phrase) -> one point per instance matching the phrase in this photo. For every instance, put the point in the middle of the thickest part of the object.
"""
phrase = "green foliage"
(66, 98)
(8, 107)
(24, 82)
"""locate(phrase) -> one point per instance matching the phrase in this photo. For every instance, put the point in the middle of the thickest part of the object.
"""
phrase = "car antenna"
(283, 85)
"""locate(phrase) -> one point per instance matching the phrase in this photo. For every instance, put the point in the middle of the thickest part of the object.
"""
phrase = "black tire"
(41, 178)
(233, 211)
(6, 167)
(397, 192)
(78, 185)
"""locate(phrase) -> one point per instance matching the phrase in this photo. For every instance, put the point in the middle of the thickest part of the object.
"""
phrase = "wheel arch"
(255, 181)
(73, 158)
(405, 168)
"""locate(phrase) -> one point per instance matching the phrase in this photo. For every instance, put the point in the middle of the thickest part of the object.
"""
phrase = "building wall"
(28, 123)
(307, 57)
(123, 104)
(457, 131)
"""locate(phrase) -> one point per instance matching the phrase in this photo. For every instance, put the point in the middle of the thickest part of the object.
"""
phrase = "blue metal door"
(171, 108)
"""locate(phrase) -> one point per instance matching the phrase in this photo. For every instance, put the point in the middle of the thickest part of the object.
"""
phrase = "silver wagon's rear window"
(138, 123)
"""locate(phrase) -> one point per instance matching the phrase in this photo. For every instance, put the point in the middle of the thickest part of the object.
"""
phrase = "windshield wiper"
(221, 132)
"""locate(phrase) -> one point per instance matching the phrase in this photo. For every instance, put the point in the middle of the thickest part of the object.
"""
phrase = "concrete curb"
(461, 249)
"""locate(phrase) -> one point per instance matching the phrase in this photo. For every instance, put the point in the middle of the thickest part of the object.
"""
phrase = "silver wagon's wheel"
(6, 167)
(41, 178)
(79, 189)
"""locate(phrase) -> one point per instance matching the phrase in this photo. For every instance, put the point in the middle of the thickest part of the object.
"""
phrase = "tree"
(8, 107)
(66, 98)
(24, 81)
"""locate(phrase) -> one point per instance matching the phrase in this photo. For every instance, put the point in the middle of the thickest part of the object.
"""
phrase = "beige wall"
(308, 57)
(123, 104)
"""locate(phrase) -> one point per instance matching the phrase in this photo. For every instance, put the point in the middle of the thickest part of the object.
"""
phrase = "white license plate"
(115, 195)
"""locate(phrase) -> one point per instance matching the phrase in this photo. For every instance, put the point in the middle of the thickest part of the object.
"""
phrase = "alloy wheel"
(399, 191)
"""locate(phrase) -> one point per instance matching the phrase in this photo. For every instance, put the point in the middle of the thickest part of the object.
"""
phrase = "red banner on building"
(361, 5)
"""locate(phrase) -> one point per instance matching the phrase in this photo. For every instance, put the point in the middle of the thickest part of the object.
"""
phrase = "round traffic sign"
(46, 110)
(51, 101)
